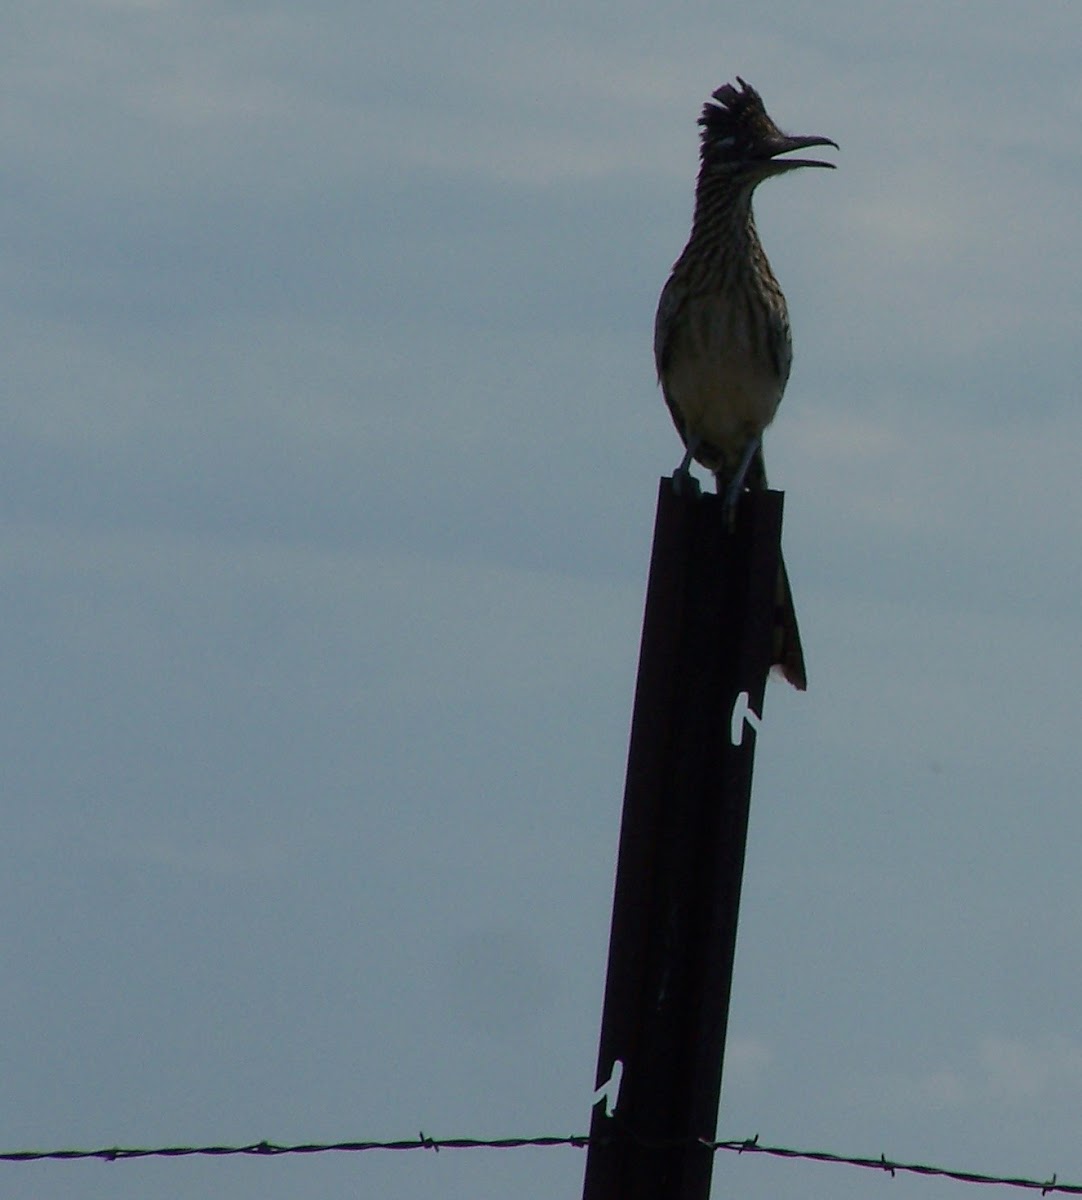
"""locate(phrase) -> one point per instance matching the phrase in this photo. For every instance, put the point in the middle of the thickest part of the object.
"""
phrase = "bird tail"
(788, 652)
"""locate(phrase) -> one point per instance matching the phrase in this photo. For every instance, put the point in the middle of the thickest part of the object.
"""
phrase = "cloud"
(1004, 1072)
(748, 1059)
(1018, 1071)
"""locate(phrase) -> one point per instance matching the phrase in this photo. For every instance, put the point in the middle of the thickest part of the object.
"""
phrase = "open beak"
(786, 144)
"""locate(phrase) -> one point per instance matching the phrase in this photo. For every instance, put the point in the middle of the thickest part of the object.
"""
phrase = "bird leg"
(736, 484)
(682, 476)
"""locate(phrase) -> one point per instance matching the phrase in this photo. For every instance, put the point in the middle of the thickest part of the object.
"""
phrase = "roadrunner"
(721, 336)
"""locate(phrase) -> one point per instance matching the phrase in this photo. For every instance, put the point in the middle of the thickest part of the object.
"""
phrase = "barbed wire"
(271, 1149)
(882, 1163)
(423, 1142)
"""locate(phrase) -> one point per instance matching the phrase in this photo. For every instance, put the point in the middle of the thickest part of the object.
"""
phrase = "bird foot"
(685, 484)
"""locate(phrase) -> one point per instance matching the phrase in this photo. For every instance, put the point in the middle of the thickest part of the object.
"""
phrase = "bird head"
(739, 137)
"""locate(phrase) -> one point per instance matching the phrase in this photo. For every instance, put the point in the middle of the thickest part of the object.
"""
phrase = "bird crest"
(735, 124)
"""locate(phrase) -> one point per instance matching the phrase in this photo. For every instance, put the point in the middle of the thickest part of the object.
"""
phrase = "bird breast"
(727, 377)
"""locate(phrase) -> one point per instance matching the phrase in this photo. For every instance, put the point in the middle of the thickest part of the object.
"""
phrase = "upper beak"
(785, 144)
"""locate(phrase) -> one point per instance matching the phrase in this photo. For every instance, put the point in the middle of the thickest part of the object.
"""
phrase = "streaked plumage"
(721, 336)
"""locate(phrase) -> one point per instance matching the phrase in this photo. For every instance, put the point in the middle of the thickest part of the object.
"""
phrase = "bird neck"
(724, 226)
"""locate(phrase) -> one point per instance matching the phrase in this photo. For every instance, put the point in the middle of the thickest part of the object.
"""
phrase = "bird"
(722, 344)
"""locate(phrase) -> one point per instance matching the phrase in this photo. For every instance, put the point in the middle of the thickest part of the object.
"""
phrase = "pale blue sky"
(330, 451)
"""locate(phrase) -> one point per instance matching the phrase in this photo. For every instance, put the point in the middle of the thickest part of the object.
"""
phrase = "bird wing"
(668, 305)
(670, 302)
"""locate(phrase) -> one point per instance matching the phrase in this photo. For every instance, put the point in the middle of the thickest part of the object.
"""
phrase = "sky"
(330, 447)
